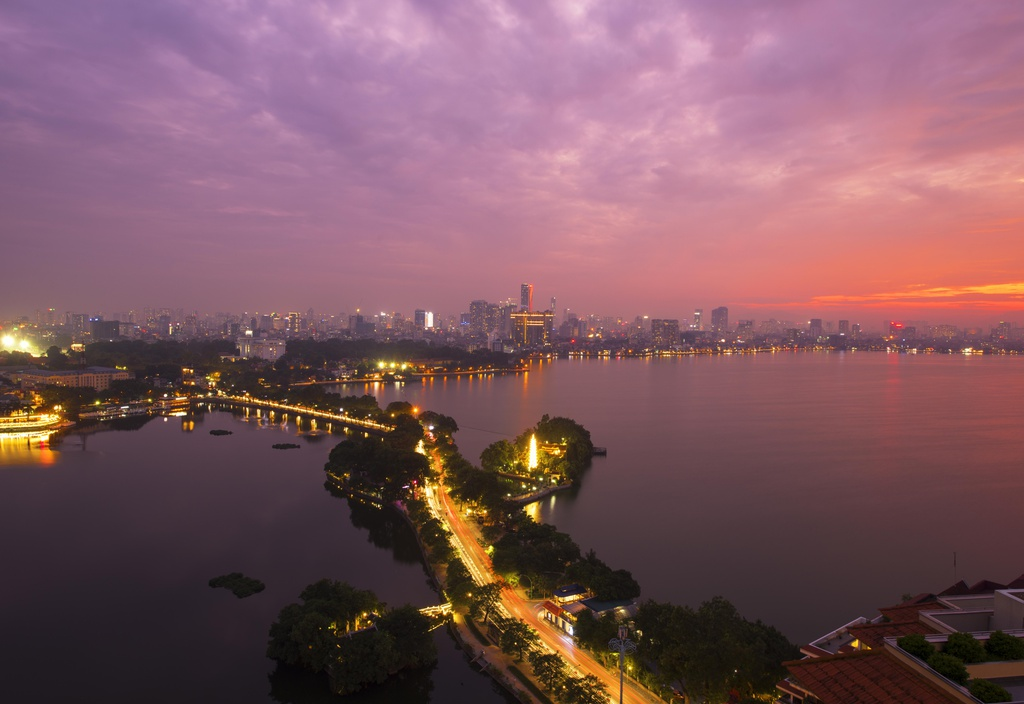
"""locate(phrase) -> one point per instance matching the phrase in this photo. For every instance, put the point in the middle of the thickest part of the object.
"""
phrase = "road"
(479, 565)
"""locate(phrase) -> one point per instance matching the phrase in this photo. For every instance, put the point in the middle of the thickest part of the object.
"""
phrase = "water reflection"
(386, 530)
(33, 449)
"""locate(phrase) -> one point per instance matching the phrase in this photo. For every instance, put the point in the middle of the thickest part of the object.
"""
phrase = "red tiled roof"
(1017, 583)
(956, 589)
(865, 677)
(908, 610)
(551, 608)
(986, 586)
(872, 634)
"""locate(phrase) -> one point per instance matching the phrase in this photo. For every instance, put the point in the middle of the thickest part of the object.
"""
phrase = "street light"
(623, 645)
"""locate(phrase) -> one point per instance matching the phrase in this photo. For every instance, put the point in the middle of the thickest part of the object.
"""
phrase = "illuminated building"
(720, 320)
(664, 333)
(814, 328)
(261, 348)
(698, 316)
(532, 328)
(844, 327)
(526, 297)
(98, 378)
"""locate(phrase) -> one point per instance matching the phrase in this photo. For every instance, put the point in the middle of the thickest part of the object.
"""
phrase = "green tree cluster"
(606, 584)
(400, 640)
(517, 638)
(307, 634)
(964, 646)
(712, 649)
(387, 468)
(989, 692)
(1002, 646)
(327, 632)
(537, 552)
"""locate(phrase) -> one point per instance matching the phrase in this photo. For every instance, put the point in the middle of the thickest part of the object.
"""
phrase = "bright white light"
(8, 341)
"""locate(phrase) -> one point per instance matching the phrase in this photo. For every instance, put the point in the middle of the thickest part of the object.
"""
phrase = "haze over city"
(793, 159)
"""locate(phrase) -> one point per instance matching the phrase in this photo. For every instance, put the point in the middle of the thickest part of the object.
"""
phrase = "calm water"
(108, 543)
(808, 489)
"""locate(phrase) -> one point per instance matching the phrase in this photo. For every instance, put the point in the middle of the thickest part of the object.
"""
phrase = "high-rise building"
(698, 322)
(526, 297)
(844, 327)
(478, 317)
(419, 319)
(105, 329)
(814, 328)
(531, 328)
(720, 320)
(664, 333)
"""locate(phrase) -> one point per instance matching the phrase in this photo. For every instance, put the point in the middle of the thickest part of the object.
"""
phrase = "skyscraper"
(698, 314)
(526, 297)
(664, 333)
(720, 320)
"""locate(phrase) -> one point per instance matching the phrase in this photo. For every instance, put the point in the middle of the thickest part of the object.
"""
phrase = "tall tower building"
(698, 322)
(720, 319)
(526, 297)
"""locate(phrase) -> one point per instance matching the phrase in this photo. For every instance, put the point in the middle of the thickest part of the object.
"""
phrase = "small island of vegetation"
(349, 635)
(240, 585)
(285, 446)
(221, 432)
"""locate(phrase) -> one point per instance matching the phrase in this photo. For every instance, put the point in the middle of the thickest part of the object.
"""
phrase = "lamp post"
(623, 645)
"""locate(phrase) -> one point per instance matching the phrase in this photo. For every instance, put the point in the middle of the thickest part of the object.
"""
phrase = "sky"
(788, 159)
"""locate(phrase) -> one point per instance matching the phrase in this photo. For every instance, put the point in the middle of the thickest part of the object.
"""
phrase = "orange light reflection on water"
(33, 449)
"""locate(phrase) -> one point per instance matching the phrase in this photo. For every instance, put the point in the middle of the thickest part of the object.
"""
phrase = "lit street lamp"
(623, 645)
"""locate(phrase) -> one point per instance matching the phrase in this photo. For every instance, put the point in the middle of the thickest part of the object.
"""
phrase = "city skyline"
(831, 160)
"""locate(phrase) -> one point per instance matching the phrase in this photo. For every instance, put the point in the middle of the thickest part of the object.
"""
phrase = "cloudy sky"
(787, 158)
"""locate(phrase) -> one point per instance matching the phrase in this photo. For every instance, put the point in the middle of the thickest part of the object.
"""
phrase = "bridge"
(444, 609)
(341, 418)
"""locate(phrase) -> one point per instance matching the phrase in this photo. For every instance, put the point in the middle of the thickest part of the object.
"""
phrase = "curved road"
(479, 565)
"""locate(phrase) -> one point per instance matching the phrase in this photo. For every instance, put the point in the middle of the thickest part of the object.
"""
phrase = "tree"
(498, 457)
(583, 690)
(399, 408)
(411, 630)
(965, 647)
(459, 584)
(517, 638)
(1002, 646)
(989, 692)
(950, 667)
(607, 584)
(55, 359)
(712, 649)
(485, 597)
(917, 645)
(549, 668)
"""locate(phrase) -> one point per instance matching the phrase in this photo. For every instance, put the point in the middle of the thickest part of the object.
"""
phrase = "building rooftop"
(865, 677)
(569, 590)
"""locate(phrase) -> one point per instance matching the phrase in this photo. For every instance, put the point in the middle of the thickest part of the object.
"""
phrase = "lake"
(109, 539)
(808, 489)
